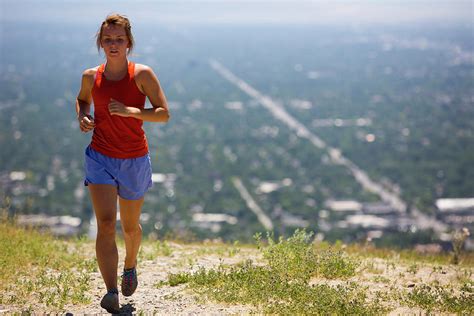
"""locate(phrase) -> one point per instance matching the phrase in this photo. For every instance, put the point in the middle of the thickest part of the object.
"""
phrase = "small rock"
(411, 285)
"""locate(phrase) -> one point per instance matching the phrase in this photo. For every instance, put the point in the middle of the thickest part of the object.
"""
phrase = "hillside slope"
(43, 275)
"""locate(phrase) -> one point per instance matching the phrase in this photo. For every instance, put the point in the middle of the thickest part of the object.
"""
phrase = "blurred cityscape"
(359, 132)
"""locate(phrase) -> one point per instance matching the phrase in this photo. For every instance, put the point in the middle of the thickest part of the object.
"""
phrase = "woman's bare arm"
(84, 100)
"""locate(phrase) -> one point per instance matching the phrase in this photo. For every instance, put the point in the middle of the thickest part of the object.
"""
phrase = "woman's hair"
(118, 20)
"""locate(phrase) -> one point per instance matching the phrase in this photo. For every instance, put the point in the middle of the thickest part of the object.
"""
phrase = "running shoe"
(110, 302)
(129, 281)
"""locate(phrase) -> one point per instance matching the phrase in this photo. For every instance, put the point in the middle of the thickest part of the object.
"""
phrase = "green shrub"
(177, 278)
(334, 264)
(439, 298)
(292, 259)
(282, 286)
(297, 259)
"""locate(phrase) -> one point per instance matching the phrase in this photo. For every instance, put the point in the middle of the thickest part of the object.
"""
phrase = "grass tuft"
(435, 297)
(282, 286)
(37, 268)
(297, 258)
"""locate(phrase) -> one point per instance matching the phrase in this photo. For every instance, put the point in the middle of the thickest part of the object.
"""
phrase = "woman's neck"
(116, 67)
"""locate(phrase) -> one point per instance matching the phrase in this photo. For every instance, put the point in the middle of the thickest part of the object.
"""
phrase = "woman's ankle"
(128, 264)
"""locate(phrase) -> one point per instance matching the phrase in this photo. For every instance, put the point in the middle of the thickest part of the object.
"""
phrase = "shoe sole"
(109, 309)
(128, 294)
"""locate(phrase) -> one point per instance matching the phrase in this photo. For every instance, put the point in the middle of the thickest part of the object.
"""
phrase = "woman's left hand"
(118, 108)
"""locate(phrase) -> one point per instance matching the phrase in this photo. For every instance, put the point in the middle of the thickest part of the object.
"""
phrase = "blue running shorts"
(132, 176)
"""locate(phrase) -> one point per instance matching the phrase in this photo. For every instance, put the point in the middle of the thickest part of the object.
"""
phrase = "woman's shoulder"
(143, 74)
(141, 69)
(90, 73)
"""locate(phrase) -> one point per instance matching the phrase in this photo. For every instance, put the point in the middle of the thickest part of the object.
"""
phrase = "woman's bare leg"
(104, 201)
(132, 231)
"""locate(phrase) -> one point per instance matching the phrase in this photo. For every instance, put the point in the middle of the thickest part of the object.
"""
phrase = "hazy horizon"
(245, 12)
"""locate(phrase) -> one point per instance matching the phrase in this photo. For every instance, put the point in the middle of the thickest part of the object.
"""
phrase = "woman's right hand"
(86, 122)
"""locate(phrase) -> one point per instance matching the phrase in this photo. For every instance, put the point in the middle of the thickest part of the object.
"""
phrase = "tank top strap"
(99, 73)
(131, 70)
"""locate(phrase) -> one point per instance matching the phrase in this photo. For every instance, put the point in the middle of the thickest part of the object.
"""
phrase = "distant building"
(288, 219)
(456, 212)
(213, 221)
(215, 217)
(367, 221)
(58, 225)
(459, 220)
(380, 208)
(457, 206)
(344, 205)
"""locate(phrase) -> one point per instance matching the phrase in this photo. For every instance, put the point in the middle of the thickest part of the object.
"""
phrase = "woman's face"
(114, 41)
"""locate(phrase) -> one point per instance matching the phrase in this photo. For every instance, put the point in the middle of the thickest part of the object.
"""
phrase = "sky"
(327, 12)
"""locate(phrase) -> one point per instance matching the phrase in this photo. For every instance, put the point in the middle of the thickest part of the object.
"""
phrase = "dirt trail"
(155, 263)
(149, 299)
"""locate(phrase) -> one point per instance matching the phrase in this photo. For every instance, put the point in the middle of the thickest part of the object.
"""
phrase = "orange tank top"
(116, 136)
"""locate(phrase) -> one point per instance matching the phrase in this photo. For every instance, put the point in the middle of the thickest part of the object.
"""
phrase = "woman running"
(117, 161)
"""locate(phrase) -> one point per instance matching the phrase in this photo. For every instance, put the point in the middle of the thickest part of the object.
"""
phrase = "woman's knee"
(132, 230)
(106, 226)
